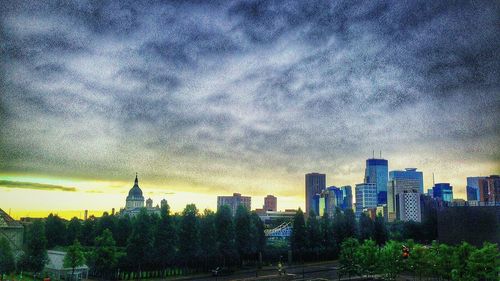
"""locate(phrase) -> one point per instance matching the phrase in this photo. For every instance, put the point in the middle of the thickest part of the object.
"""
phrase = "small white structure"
(56, 270)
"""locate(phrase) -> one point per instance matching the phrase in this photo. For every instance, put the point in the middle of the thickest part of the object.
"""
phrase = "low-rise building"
(56, 270)
(12, 231)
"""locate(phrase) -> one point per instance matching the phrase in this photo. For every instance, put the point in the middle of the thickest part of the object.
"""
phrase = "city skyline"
(208, 99)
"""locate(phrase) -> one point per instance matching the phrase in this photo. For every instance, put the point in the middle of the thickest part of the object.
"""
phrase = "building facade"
(315, 184)
(234, 201)
(271, 203)
(376, 172)
(13, 232)
(347, 197)
(366, 197)
(403, 197)
(473, 187)
(443, 191)
(409, 174)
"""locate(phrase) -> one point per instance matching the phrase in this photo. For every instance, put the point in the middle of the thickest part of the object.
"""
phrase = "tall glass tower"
(377, 172)
(409, 174)
(315, 184)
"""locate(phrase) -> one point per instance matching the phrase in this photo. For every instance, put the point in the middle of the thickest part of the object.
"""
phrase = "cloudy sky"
(214, 97)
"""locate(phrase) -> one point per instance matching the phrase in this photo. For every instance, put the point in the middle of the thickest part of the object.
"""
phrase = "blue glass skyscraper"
(409, 174)
(377, 172)
(444, 191)
(472, 188)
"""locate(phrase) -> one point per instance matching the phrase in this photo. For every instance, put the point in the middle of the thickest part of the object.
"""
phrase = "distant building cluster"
(396, 195)
(234, 201)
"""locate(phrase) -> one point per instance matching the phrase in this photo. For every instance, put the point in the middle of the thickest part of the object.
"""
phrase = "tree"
(299, 236)
(366, 256)
(349, 223)
(7, 264)
(257, 234)
(165, 239)
(208, 237)
(73, 231)
(443, 258)
(327, 238)
(313, 234)
(87, 236)
(35, 254)
(55, 231)
(225, 233)
(140, 242)
(484, 263)
(366, 227)
(380, 230)
(242, 232)
(391, 260)
(338, 225)
(74, 257)
(347, 258)
(419, 261)
(189, 235)
(106, 222)
(123, 230)
(105, 256)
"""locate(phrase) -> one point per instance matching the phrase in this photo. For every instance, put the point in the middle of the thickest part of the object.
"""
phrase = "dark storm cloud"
(33, 185)
(105, 87)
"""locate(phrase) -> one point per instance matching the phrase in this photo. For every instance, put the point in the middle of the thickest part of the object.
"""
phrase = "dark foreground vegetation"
(158, 246)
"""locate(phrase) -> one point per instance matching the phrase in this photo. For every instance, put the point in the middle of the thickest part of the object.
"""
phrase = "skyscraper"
(315, 184)
(403, 195)
(347, 197)
(270, 203)
(410, 174)
(443, 191)
(376, 172)
(473, 188)
(366, 197)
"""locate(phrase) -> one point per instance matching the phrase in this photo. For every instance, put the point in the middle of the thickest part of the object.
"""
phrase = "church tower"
(135, 198)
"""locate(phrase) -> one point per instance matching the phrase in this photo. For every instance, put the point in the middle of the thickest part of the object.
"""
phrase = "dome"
(135, 191)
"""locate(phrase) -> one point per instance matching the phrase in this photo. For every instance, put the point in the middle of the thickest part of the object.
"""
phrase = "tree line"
(164, 244)
(463, 262)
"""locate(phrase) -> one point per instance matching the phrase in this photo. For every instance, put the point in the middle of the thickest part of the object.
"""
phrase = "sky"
(207, 98)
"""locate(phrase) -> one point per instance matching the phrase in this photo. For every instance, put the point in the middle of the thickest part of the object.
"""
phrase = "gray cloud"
(195, 92)
(33, 185)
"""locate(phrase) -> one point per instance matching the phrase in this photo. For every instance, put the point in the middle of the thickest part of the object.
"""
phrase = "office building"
(472, 188)
(490, 190)
(346, 197)
(443, 191)
(409, 174)
(376, 172)
(234, 201)
(403, 196)
(408, 205)
(329, 200)
(315, 184)
(270, 203)
(366, 197)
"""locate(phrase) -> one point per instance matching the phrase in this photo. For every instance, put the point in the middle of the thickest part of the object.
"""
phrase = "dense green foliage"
(457, 263)
(7, 264)
(35, 252)
(74, 257)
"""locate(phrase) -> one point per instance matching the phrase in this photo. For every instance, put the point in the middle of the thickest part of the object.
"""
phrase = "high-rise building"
(330, 199)
(490, 190)
(366, 197)
(473, 184)
(346, 197)
(234, 201)
(403, 195)
(443, 191)
(376, 172)
(409, 174)
(315, 184)
(270, 203)
(403, 200)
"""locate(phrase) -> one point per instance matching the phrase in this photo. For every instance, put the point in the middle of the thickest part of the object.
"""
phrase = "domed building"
(135, 202)
(135, 198)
